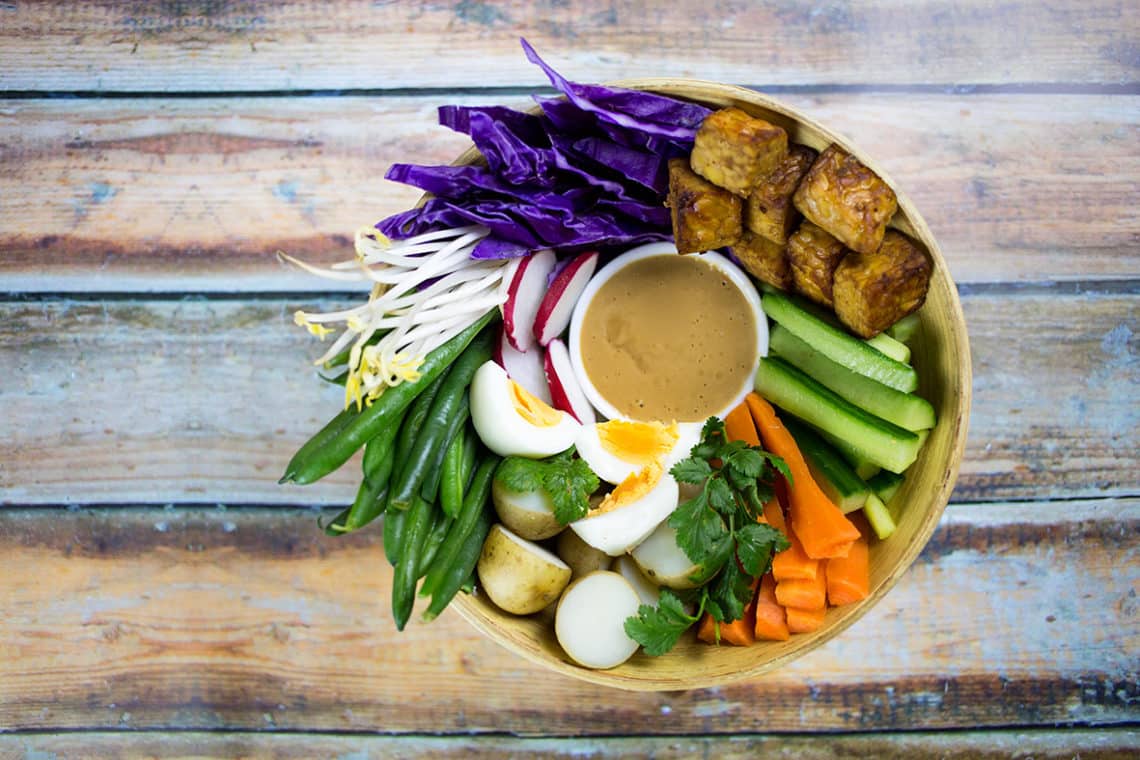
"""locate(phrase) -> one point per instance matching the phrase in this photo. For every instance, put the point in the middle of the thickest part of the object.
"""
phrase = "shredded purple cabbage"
(590, 170)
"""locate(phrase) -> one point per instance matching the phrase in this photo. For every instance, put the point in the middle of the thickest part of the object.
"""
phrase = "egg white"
(503, 429)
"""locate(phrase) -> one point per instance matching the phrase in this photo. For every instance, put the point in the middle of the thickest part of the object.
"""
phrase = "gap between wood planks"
(1122, 287)
(1099, 744)
(960, 88)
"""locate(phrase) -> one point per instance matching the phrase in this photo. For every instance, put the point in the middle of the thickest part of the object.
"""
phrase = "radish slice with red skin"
(524, 297)
(527, 368)
(557, 305)
(565, 392)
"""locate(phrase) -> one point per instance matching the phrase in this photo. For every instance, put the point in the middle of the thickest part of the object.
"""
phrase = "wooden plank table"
(161, 596)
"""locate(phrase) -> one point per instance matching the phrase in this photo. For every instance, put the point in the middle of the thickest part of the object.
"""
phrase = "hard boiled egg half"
(616, 449)
(513, 422)
(630, 512)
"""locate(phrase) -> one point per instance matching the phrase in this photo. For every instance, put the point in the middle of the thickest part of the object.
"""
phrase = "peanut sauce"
(669, 338)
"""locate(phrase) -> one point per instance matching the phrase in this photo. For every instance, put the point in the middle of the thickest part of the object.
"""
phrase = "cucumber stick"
(879, 441)
(905, 328)
(885, 485)
(829, 470)
(903, 409)
(884, 343)
(864, 468)
(838, 346)
(879, 516)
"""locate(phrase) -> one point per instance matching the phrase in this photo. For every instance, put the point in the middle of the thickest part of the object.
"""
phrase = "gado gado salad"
(642, 369)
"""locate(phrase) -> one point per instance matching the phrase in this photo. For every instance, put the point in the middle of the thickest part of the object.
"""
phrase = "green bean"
(372, 494)
(455, 426)
(405, 575)
(474, 505)
(325, 436)
(412, 424)
(470, 453)
(435, 538)
(447, 403)
(468, 586)
(315, 461)
(336, 526)
(461, 566)
(395, 522)
(451, 482)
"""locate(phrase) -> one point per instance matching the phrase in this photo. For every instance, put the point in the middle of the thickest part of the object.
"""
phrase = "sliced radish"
(565, 392)
(557, 306)
(524, 296)
(527, 368)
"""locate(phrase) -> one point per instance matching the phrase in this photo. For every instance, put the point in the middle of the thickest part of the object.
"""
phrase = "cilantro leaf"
(732, 590)
(748, 463)
(658, 628)
(568, 482)
(701, 533)
(721, 497)
(756, 543)
(780, 465)
(692, 470)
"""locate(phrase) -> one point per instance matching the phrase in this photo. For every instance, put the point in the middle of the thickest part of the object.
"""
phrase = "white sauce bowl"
(650, 250)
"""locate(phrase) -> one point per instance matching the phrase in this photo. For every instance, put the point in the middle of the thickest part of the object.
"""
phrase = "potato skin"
(764, 260)
(769, 210)
(515, 580)
(874, 290)
(813, 255)
(847, 199)
(735, 151)
(704, 216)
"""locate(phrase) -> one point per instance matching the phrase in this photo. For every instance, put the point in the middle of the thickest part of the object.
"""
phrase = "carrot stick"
(739, 632)
(804, 621)
(794, 563)
(738, 426)
(774, 515)
(771, 620)
(823, 529)
(805, 594)
(849, 578)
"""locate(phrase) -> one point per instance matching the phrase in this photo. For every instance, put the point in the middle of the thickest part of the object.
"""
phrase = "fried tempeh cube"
(764, 260)
(872, 291)
(847, 199)
(813, 255)
(735, 151)
(769, 210)
(704, 216)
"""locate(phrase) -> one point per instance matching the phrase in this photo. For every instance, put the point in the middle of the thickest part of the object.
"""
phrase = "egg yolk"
(532, 409)
(637, 442)
(631, 489)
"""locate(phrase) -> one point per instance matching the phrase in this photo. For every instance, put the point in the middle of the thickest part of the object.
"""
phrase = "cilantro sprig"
(719, 533)
(566, 479)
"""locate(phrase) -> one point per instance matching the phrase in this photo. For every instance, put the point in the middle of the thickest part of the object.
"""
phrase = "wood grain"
(1047, 744)
(253, 619)
(257, 45)
(135, 401)
(199, 194)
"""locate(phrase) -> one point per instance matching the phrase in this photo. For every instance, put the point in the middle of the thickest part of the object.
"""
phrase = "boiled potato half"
(590, 621)
(582, 558)
(663, 561)
(520, 577)
(529, 514)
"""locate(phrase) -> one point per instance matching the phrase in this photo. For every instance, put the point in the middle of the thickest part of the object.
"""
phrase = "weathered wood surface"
(1047, 744)
(252, 618)
(199, 194)
(138, 401)
(256, 45)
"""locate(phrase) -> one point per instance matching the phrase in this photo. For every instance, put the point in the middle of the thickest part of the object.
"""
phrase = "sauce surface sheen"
(669, 338)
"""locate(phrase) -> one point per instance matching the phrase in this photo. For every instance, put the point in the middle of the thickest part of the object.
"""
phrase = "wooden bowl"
(941, 357)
